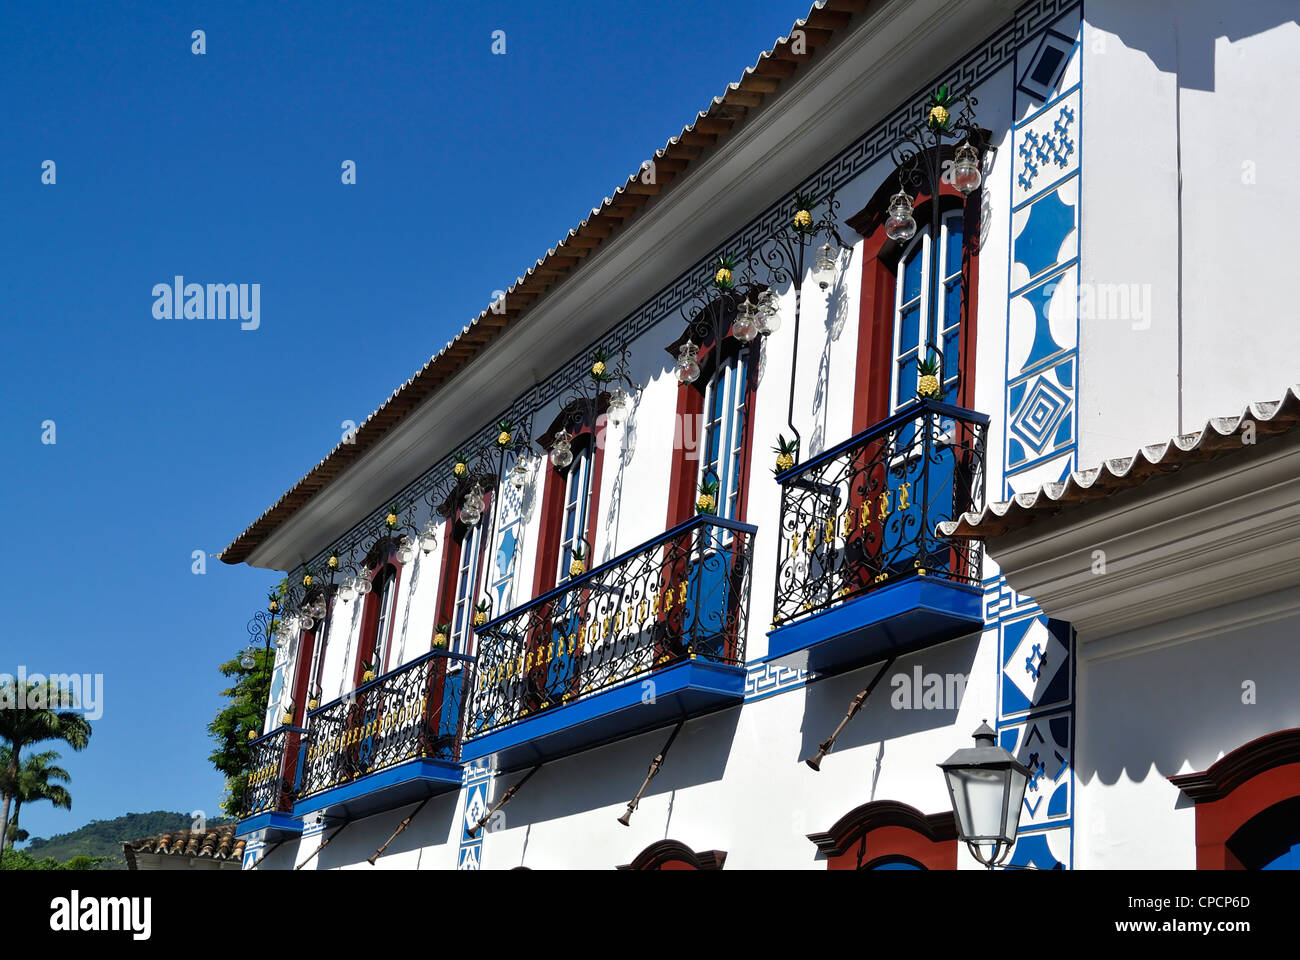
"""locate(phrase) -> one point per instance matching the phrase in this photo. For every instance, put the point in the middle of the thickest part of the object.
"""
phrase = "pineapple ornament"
(722, 276)
(390, 520)
(578, 563)
(707, 501)
(461, 469)
(367, 672)
(505, 433)
(938, 118)
(481, 613)
(599, 373)
(803, 218)
(784, 450)
(287, 719)
(440, 634)
(927, 386)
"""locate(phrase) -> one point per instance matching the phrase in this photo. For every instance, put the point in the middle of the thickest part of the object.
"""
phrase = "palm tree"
(35, 722)
(37, 779)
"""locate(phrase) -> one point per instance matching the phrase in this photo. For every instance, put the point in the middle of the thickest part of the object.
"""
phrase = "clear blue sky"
(173, 435)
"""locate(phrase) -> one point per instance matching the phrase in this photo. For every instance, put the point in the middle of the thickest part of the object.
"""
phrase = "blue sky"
(173, 435)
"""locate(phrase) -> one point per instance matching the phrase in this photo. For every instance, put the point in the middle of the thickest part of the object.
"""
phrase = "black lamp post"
(987, 786)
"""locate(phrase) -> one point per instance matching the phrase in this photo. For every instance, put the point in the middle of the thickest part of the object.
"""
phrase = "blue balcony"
(863, 574)
(268, 797)
(391, 741)
(654, 636)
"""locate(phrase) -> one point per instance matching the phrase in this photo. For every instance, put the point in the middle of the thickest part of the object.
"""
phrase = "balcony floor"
(273, 826)
(681, 691)
(375, 792)
(889, 621)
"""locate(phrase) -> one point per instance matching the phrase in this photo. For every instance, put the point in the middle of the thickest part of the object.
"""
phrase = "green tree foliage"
(40, 719)
(244, 712)
(37, 779)
(22, 860)
(102, 839)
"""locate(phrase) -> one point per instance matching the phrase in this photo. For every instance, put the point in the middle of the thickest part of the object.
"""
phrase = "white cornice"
(1207, 536)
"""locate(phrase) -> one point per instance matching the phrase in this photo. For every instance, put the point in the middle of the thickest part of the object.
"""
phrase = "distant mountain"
(104, 838)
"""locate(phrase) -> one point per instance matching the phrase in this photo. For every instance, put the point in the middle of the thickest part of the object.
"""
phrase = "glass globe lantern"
(687, 367)
(769, 313)
(405, 549)
(987, 787)
(745, 327)
(429, 538)
(249, 659)
(305, 623)
(348, 590)
(824, 265)
(562, 450)
(618, 406)
(966, 175)
(520, 470)
(471, 509)
(363, 583)
(900, 226)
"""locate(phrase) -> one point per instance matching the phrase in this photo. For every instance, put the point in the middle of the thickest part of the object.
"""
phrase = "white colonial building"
(897, 372)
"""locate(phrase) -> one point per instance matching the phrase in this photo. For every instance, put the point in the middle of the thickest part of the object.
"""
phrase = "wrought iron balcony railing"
(408, 713)
(864, 514)
(679, 597)
(272, 769)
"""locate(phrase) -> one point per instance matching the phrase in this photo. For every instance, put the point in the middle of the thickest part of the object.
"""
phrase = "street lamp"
(987, 786)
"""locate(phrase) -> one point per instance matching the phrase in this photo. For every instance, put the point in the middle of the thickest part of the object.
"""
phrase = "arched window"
(377, 620)
(462, 565)
(887, 835)
(724, 431)
(1248, 805)
(715, 425)
(917, 297)
(570, 497)
(917, 334)
(673, 855)
(575, 505)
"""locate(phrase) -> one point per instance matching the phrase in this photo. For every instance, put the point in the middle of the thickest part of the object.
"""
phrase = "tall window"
(723, 437)
(466, 586)
(916, 333)
(377, 622)
(574, 520)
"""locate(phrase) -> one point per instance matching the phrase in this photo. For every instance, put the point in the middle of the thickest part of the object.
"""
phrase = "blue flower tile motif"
(1043, 745)
(1046, 148)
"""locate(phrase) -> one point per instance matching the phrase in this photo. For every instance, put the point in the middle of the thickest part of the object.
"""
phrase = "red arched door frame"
(1236, 788)
(887, 829)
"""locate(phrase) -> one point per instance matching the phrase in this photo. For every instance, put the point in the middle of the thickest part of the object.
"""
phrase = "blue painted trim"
(892, 620)
(681, 691)
(276, 825)
(375, 792)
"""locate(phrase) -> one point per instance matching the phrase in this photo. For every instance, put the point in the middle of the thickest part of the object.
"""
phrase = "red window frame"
(369, 639)
(554, 485)
(888, 830)
(875, 354)
(454, 534)
(683, 482)
(1238, 787)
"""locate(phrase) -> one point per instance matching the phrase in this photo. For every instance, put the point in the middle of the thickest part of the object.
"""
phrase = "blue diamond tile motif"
(1042, 643)
(1037, 417)
(1044, 148)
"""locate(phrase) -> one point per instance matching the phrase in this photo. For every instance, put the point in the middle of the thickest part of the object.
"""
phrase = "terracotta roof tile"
(218, 843)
